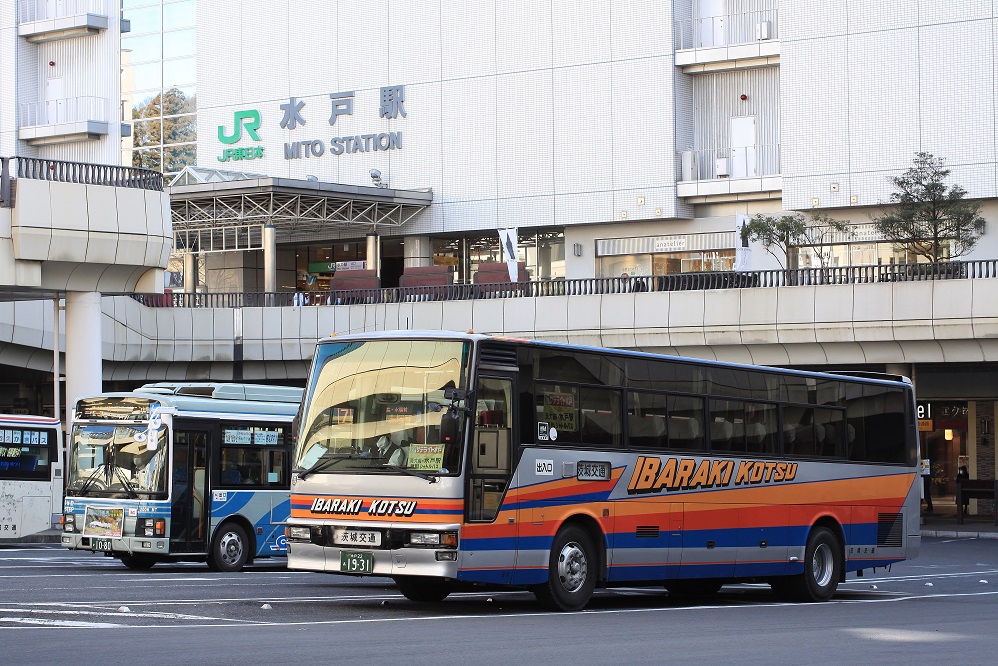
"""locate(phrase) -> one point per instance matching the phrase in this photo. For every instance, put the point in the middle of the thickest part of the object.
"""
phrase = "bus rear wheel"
(822, 569)
(229, 548)
(423, 589)
(571, 571)
(138, 562)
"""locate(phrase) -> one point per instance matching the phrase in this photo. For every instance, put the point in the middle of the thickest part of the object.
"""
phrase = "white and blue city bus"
(30, 474)
(181, 471)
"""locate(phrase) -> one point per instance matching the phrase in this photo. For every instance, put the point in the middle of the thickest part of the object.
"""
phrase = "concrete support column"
(190, 272)
(543, 261)
(373, 253)
(418, 251)
(904, 369)
(57, 362)
(269, 258)
(84, 363)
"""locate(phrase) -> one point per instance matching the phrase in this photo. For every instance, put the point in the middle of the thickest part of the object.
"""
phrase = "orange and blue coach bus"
(445, 459)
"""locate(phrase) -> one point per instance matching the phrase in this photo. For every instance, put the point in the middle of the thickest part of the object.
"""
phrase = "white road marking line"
(47, 624)
(490, 617)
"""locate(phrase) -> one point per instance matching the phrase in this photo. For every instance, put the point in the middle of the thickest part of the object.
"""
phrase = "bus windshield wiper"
(328, 460)
(125, 483)
(411, 472)
(90, 479)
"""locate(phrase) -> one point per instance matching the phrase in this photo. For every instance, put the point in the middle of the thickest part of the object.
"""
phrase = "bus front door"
(189, 506)
(489, 479)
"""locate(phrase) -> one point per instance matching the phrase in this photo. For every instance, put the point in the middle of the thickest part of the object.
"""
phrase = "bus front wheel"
(423, 589)
(571, 571)
(822, 569)
(229, 548)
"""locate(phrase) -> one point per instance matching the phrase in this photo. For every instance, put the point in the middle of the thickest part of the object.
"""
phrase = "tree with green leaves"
(784, 235)
(929, 219)
(165, 120)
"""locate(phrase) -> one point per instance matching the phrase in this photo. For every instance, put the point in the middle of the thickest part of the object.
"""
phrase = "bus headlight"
(433, 539)
(69, 522)
(153, 527)
(299, 533)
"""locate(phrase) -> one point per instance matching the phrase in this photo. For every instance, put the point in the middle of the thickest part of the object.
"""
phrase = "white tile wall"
(523, 35)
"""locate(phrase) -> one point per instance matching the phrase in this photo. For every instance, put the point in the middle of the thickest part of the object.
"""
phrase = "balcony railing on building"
(731, 162)
(800, 277)
(63, 120)
(53, 20)
(727, 29)
(29, 11)
(35, 168)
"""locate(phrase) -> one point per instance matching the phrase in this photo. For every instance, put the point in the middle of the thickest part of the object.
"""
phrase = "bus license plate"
(346, 537)
(356, 562)
(102, 545)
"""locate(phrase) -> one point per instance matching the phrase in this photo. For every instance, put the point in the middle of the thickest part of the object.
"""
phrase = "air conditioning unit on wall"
(721, 167)
(762, 30)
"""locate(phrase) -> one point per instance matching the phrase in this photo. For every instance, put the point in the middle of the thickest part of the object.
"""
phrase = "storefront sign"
(925, 425)
(670, 244)
(322, 267)
(944, 415)
(330, 267)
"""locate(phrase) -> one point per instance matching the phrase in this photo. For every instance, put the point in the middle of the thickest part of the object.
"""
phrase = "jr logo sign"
(248, 119)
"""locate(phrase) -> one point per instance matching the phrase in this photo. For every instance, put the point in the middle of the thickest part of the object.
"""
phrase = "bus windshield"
(376, 406)
(117, 460)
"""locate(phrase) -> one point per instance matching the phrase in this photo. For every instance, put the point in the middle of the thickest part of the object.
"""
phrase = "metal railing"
(58, 111)
(41, 10)
(727, 30)
(732, 162)
(987, 268)
(84, 173)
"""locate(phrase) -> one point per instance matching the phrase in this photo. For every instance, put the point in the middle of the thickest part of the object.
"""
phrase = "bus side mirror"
(448, 426)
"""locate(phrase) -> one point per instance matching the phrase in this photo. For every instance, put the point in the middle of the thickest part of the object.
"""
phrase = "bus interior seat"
(230, 476)
(755, 436)
(684, 433)
(648, 430)
(721, 431)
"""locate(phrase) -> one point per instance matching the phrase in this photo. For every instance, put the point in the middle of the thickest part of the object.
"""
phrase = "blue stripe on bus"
(560, 500)
(235, 500)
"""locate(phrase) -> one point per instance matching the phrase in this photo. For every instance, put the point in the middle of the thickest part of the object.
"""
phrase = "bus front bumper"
(389, 558)
(117, 546)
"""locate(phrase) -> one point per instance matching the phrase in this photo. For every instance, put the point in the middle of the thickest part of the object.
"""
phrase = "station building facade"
(614, 136)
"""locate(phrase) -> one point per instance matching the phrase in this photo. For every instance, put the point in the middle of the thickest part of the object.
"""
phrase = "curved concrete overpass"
(835, 325)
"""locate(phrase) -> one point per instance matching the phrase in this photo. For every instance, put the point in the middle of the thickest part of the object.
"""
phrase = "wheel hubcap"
(572, 567)
(232, 548)
(822, 566)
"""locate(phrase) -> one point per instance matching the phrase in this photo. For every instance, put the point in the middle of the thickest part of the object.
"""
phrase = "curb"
(959, 534)
(46, 536)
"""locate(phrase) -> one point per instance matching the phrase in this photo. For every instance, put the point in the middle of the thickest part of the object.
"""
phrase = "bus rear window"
(25, 453)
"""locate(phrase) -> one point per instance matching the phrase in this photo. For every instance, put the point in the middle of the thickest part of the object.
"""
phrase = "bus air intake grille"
(647, 532)
(496, 355)
(890, 528)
